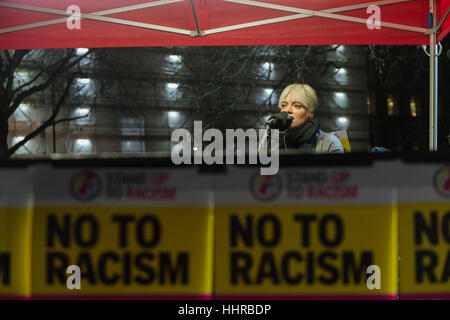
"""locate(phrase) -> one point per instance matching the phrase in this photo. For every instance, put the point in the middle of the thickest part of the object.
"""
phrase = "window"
(174, 119)
(132, 126)
(81, 51)
(173, 64)
(82, 146)
(340, 98)
(133, 146)
(340, 74)
(29, 147)
(172, 86)
(369, 106)
(85, 86)
(391, 107)
(343, 122)
(413, 107)
(172, 91)
(265, 94)
(173, 58)
(20, 78)
(267, 70)
(87, 59)
(268, 66)
(84, 112)
(25, 113)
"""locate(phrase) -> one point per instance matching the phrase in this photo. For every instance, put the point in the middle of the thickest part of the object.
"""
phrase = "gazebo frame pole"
(433, 108)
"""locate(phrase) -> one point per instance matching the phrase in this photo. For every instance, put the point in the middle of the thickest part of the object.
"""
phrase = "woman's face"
(296, 110)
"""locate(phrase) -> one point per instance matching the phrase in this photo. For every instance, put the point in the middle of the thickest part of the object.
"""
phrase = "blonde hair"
(302, 93)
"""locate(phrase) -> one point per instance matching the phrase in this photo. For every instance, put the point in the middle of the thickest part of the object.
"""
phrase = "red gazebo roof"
(132, 23)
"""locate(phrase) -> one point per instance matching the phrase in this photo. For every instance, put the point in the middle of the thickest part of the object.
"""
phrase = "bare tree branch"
(13, 63)
(42, 72)
(61, 68)
(45, 124)
(71, 119)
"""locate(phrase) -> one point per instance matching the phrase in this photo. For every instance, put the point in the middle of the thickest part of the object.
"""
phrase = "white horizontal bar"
(93, 16)
(254, 24)
(33, 25)
(136, 24)
(324, 14)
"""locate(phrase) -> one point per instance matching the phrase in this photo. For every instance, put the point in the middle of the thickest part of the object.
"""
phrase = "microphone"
(280, 121)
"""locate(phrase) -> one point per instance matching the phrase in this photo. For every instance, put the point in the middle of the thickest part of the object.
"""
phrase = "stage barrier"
(377, 229)
(424, 231)
(16, 208)
(305, 233)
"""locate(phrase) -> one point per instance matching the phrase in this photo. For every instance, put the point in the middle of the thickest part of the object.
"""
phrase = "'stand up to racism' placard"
(133, 233)
(16, 203)
(424, 220)
(305, 233)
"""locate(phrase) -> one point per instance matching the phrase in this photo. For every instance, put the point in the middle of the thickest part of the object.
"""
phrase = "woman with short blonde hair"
(300, 102)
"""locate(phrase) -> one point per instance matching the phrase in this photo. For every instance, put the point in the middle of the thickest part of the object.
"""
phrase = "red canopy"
(443, 12)
(129, 23)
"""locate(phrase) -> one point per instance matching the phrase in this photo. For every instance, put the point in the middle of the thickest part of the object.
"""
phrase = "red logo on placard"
(265, 187)
(85, 186)
(442, 181)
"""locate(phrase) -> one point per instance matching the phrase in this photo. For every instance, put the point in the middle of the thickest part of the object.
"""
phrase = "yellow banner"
(343, 137)
(123, 251)
(15, 252)
(306, 252)
(424, 250)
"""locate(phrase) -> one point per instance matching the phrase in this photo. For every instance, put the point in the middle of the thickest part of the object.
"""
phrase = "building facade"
(133, 98)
